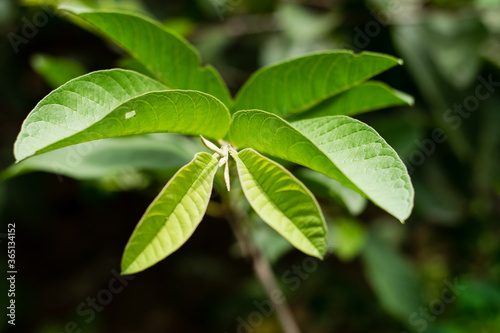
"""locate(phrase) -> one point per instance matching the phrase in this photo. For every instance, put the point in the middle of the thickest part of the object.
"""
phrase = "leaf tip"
(124, 271)
(321, 256)
(127, 269)
(318, 253)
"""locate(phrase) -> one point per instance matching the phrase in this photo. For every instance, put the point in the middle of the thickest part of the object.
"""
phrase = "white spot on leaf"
(130, 114)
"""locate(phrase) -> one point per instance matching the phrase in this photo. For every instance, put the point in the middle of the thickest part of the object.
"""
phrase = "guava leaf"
(340, 147)
(173, 216)
(366, 97)
(296, 85)
(282, 201)
(107, 158)
(164, 53)
(116, 103)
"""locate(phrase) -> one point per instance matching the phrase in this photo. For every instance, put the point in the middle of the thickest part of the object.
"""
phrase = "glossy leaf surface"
(296, 85)
(366, 97)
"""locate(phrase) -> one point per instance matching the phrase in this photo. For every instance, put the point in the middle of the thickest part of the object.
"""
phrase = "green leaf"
(132, 6)
(369, 96)
(340, 147)
(56, 70)
(282, 201)
(78, 104)
(110, 157)
(109, 104)
(173, 216)
(296, 85)
(133, 65)
(161, 51)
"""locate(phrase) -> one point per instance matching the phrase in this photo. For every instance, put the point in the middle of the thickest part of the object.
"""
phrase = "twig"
(262, 268)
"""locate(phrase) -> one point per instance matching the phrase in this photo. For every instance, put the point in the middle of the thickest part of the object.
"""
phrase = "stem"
(263, 270)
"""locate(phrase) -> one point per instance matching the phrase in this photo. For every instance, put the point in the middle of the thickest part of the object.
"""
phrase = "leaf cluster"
(298, 111)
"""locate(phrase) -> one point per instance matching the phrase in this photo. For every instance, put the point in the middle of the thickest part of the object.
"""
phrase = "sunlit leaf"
(296, 85)
(77, 105)
(172, 217)
(369, 96)
(340, 147)
(165, 54)
(113, 103)
(282, 201)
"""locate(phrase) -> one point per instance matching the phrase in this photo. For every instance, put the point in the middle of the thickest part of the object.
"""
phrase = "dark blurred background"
(438, 273)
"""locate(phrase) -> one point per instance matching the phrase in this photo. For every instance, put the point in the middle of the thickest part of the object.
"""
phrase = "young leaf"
(369, 96)
(162, 52)
(173, 216)
(340, 147)
(103, 105)
(296, 85)
(282, 201)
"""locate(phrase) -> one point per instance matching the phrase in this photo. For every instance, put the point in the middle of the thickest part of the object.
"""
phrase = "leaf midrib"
(155, 234)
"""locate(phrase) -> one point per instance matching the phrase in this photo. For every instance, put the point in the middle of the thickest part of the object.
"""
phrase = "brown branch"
(263, 269)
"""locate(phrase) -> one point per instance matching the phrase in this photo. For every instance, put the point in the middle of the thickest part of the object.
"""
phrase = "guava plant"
(297, 111)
